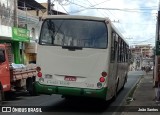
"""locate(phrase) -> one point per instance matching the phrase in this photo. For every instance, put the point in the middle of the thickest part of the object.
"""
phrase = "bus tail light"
(102, 79)
(39, 74)
(104, 74)
(38, 69)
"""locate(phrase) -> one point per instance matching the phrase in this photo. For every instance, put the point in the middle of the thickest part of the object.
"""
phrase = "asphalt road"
(57, 105)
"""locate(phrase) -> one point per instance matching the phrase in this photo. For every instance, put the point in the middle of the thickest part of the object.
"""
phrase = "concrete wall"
(6, 12)
(33, 12)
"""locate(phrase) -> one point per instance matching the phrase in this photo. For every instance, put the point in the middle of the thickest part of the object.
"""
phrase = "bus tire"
(125, 80)
(116, 91)
(10, 95)
(30, 86)
(33, 91)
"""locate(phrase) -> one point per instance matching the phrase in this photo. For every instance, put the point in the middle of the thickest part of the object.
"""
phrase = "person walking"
(147, 69)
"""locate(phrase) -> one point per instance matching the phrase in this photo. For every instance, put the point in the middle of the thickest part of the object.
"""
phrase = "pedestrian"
(132, 68)
(142, 68)
(147, 69)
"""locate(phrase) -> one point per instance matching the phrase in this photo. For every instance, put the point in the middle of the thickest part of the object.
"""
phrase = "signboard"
(5, 31)
(20, 34)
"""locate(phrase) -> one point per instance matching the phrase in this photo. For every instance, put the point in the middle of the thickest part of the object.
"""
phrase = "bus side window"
(113, 47)
(2, 56)
(119, 50)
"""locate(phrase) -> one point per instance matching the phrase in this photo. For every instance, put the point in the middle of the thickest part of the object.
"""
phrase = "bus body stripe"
(46, 89)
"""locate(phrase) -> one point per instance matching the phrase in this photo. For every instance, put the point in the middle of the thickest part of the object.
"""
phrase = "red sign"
(70, 78)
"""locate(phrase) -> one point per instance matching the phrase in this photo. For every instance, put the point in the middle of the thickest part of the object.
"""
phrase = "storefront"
(31, 52)
(6, 37)
(16, 37)
(20, 36)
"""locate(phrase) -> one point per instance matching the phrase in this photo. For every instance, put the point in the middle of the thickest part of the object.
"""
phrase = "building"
(18, 31)
(29, 17)
(31, 48)
(20, 26)
(142, 55)
(43, 12)
(144, 51)
(32, 23)
(8, 34)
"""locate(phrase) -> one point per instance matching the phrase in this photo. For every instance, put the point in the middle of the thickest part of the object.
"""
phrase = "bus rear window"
(79, 33)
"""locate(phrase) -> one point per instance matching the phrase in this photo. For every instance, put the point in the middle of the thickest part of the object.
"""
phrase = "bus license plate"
(70, 78)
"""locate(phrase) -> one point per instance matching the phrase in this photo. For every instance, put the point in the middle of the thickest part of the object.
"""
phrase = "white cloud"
(137, 24)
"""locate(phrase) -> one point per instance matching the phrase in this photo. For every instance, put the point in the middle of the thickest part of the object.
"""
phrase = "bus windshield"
(74, 33)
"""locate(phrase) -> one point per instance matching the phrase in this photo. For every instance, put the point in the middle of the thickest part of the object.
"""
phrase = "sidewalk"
(143, 95)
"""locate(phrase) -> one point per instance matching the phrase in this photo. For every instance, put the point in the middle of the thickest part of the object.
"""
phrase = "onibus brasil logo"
(21, 109)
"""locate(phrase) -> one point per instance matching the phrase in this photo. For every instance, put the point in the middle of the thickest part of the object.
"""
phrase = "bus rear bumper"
(47, 89)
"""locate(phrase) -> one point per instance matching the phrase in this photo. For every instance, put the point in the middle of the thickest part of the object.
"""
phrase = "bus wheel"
(33, 91)
(116, 91)
(1, 94)
(30, 86)
(125, 81)
(11, 95)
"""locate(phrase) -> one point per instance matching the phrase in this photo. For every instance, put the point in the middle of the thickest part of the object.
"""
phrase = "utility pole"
(15, 14)
(49, 7)
(157, 56)
(158, 22)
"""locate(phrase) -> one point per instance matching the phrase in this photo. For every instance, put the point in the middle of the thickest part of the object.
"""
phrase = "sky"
(135, 19)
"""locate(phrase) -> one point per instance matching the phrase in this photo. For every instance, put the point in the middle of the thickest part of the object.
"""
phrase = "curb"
(123, 101)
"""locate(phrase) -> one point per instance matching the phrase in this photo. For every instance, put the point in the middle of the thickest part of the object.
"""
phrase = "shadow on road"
(79, 105)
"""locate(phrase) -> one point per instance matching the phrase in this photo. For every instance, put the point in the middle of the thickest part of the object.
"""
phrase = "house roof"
(55, 12)
(30, 4)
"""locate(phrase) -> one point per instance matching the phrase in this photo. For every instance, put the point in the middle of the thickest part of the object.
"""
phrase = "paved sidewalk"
(143, 95)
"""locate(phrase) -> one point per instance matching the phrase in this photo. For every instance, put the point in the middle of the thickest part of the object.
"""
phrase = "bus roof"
(75, 17)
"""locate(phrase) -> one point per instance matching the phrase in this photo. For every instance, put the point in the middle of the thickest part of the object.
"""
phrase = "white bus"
(81, 56)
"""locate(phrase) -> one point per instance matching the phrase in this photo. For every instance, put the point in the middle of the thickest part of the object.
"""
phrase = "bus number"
(52, 82)
(89, 85)
(64, 83)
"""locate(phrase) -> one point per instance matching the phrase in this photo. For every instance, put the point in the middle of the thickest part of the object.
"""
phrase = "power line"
(78, 5)
(120, 27)
(125, 9)
(96, 9)
(87, 7)
(104, 11)
(64, 8)
(139, 24)
(84, 3)
(142, 41)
